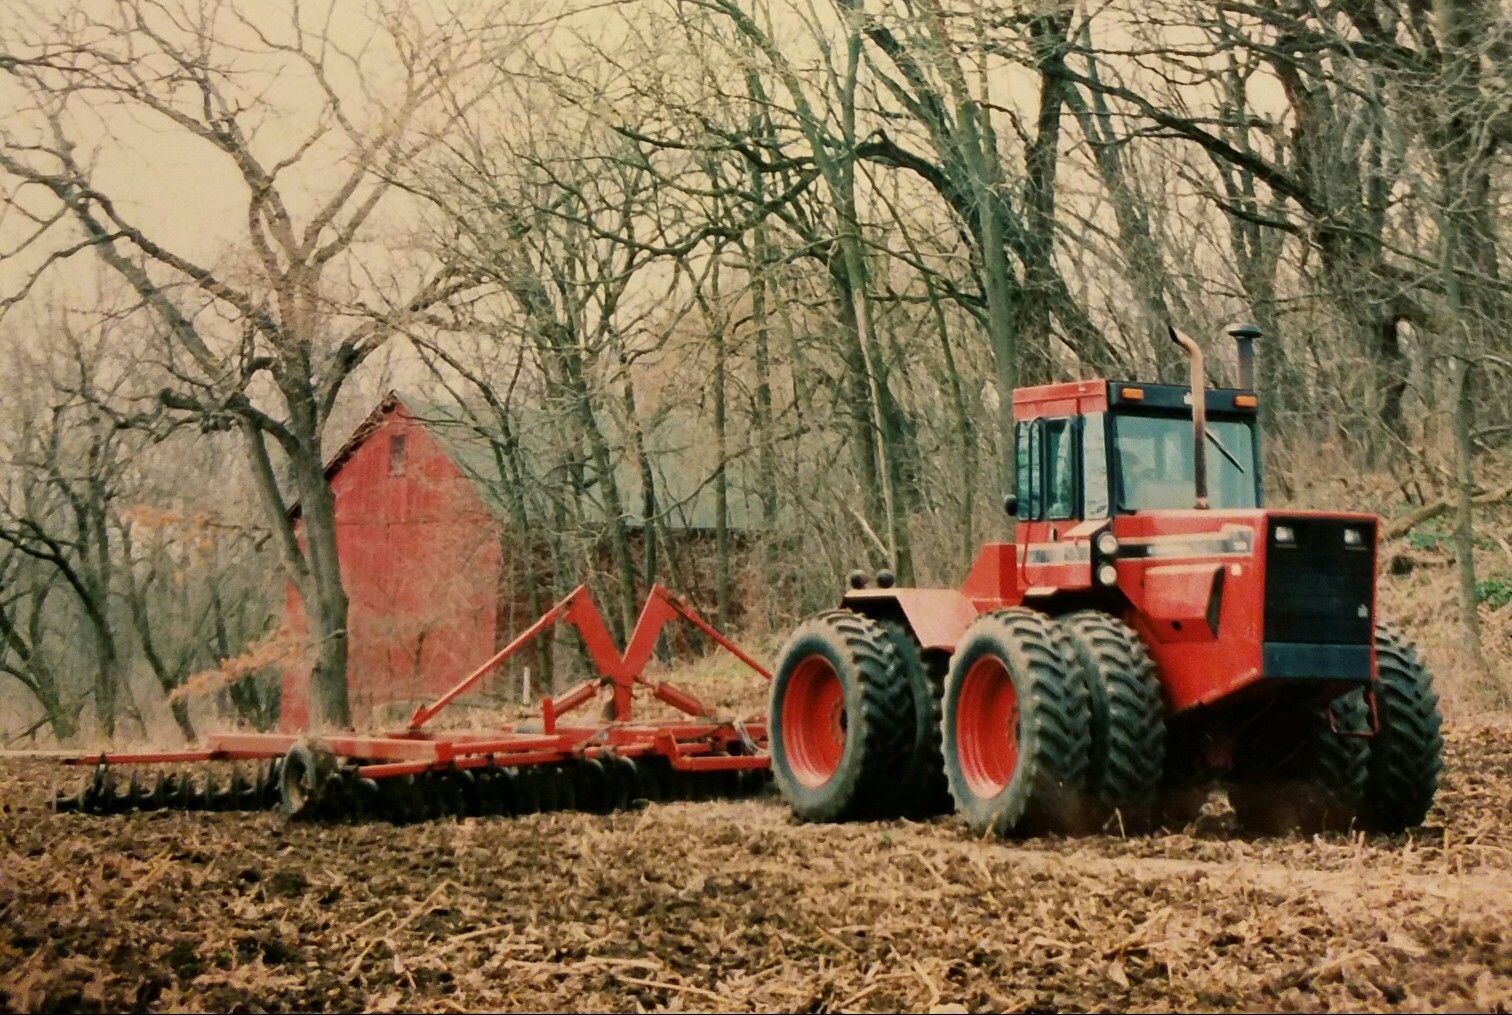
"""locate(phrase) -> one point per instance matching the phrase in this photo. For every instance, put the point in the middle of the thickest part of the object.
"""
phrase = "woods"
(810, 245)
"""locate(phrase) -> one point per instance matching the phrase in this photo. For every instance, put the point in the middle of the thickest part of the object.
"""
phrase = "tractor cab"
(1102, 448)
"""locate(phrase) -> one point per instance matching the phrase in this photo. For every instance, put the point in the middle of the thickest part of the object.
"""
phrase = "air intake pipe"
(1199, 416)
(1244, 335)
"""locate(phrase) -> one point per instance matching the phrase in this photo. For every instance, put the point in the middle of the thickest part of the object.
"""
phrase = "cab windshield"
(1154, 457)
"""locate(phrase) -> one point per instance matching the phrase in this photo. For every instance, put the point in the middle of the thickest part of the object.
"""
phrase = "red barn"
(430, 569)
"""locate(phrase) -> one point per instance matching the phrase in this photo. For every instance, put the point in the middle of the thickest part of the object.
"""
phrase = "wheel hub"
(814, 721)
(987, 727)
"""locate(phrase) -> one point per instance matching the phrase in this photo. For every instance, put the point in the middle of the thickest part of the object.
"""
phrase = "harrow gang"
(415, 773)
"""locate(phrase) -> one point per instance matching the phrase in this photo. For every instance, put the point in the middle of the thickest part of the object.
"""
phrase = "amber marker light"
(1246, 401)
(1132, 394)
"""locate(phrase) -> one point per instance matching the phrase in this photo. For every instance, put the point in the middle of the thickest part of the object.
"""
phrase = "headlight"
(1285, 536)
(1354, 537)
(1107, 574)
(1107, 543)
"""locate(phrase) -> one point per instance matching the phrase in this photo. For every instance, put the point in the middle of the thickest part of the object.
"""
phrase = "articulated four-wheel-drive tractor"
(1152, 629)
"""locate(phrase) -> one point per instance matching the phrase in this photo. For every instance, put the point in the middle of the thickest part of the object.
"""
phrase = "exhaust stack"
(1199, 416)
(1244, 335)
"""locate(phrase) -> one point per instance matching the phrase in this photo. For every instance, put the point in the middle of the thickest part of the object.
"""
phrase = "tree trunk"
(1041, 161)
(766, 452)
(325, 598)
(1461, 26)
(721, 477)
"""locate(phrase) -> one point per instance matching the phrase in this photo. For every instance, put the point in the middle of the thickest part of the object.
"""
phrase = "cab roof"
(1075, 398)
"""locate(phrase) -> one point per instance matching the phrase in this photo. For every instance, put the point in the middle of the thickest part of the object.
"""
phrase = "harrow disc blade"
(653, 780)
(564, 786)
(620, 780)
(457, 792)
(592, 785)
(532, 796)
(78, 798)
(499, 792)
(394, 799)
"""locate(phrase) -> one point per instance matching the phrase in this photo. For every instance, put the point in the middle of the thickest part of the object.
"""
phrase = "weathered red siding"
(420, 557)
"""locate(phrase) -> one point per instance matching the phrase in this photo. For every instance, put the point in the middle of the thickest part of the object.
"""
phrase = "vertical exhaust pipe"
(1244, 335)
(1199, 416)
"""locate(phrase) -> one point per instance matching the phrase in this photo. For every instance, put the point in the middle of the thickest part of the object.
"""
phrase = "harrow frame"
(702, 743)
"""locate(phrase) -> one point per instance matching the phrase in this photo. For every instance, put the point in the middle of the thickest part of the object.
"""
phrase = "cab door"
(1054, 548)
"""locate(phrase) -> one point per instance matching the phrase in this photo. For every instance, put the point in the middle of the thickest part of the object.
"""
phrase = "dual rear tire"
(855, 722)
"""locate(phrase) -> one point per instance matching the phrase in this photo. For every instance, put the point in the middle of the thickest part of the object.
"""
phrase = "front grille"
(1318, 589)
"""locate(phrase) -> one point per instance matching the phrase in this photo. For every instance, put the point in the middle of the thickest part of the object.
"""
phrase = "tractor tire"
(841, 720)
(1406, 752)
(923, 793)
(301, 780)
(1017, 728)
(1127, 715)
(1309, 780)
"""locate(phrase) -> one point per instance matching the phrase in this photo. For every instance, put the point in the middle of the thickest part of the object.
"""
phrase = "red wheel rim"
(987, 727)
(813, 721)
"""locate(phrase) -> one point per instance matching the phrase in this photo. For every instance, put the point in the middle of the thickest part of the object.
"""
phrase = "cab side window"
(1045, 452)
(1060, 474)
(1027, 468)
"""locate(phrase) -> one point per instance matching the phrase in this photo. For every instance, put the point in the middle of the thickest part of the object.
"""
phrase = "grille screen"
(1315, 586)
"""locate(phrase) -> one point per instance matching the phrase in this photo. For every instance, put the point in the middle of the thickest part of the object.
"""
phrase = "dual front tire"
(1340, 770)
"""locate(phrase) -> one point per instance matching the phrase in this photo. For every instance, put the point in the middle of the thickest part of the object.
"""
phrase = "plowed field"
(732, 906)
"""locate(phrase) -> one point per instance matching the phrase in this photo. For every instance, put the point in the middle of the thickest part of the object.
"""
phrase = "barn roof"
(680, 453)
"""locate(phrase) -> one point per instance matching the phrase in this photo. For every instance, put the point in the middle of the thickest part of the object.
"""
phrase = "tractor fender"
(936, 617)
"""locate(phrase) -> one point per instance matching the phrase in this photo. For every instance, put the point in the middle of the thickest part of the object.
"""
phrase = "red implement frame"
(705, 742)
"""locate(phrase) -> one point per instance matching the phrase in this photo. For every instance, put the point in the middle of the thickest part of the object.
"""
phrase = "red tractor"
(1153, 629)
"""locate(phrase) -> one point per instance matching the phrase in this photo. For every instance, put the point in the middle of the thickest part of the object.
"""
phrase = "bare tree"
(260, 343)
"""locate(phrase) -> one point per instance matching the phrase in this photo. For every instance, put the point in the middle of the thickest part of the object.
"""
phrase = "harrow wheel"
(1302, 775)
(841, 719)
(924, 791)
(302, 780)
(1127, 759)
(1405, 755)
(1016, 727)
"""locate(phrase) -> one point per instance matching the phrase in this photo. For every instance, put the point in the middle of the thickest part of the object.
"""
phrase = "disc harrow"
(417, 774)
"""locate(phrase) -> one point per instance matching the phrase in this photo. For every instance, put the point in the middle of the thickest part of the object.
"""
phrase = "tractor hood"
(1230, 597)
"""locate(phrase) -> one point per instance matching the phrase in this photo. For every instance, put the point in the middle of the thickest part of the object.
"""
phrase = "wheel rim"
(987, 727)
(813, 721)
